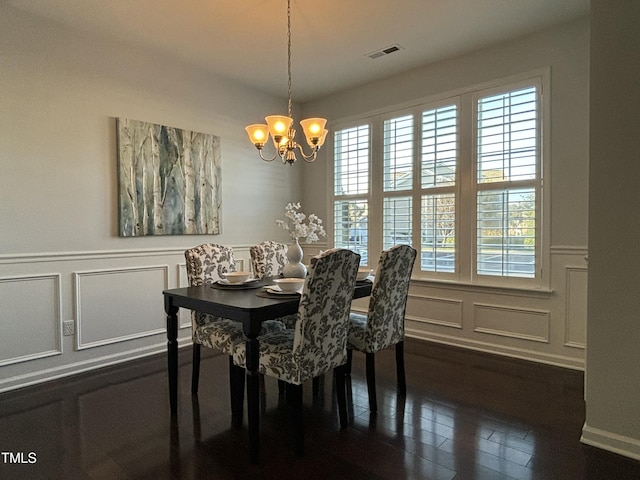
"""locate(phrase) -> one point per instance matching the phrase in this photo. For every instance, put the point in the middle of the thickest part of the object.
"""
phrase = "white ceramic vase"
(295, 268)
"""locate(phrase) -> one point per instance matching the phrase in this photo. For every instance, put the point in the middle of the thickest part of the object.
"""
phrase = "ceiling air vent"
(384, 51)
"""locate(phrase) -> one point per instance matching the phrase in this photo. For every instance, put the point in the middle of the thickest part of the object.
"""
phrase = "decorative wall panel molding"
(576, 307)
(184, 316)
(434, 310)
(496, 348)
(86, 282)
(84, 289)
(116, 305)
(32, 317)
(525, 324)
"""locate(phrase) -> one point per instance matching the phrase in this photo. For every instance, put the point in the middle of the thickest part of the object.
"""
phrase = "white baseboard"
(612, 442)
(41, 376)
(486, 347)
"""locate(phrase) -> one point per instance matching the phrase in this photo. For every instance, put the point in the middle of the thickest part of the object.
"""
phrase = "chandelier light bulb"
(258, 134)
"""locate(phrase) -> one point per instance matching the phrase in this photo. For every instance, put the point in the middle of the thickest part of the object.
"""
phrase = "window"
(466, 194)
(506, 183)
(397, 174)
(351, 190)
(438, 165)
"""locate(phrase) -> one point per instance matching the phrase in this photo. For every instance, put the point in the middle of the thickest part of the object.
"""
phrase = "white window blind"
(507, 136)
(507, 171)
(398, 154)
(351, 172)
(397, 219)
(351, 189)
(459, 179)
(439, 162)
(438, 242)
(506, 232)
(439, 146)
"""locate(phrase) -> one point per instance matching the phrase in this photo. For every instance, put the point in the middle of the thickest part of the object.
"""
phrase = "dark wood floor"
(466, 416)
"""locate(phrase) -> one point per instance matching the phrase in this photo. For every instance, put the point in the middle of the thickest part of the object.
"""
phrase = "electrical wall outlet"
(68, 328)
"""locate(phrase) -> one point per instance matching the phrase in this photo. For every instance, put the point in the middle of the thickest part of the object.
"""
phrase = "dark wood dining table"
(244, 305)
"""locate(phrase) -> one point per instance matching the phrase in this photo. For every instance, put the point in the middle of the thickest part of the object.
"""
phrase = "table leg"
(172, 353)
(253, 398)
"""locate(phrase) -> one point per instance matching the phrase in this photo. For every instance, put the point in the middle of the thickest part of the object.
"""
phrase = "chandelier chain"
(289, 55)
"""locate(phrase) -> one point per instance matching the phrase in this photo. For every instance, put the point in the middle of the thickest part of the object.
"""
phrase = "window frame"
(510, 185)
(465, 187)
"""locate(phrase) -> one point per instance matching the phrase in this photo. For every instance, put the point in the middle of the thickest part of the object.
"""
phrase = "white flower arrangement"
(295, 224)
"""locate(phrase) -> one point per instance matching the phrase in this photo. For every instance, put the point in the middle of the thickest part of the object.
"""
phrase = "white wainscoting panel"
(240, 265)
(525, 324)
(115, 305)
(434, 310)
(31, 325)
(183, 280)
(576, 307)
(116, 301)
(184, 316)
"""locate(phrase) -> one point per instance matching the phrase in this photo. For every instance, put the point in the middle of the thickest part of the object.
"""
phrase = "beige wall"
(60, 254)
(613, 354)
(543, 325)
(60, 95)
(565, 50)
(61, 258)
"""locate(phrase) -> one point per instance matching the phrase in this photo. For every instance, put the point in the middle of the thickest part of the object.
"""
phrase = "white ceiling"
(246, 40)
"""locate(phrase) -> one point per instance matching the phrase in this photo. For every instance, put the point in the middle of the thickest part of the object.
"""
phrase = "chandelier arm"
(275, 155)
(307, 158)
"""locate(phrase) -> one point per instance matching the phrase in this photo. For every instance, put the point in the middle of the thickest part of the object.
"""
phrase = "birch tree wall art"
(168, 179)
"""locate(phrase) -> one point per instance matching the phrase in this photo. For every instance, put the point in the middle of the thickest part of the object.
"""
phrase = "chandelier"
(280, 126)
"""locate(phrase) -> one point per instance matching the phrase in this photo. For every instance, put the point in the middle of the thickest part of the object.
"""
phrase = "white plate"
(224, 281)
(276, 290)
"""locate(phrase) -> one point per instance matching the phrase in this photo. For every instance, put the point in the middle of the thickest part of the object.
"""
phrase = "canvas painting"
(168, 179)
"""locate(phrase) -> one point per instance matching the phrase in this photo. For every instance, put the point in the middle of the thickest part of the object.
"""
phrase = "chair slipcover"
(268, 258)
(206, 264)
(383, 326)
(318, 343)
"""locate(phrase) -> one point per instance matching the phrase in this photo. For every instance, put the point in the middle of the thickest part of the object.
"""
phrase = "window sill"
(518, 290)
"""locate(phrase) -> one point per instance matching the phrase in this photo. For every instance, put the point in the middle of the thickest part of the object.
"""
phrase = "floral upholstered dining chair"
(383, 326)
(268, 258)
(206, 264)
(318, 343)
